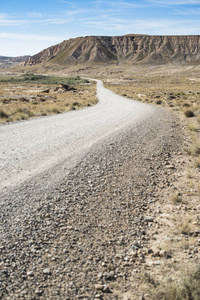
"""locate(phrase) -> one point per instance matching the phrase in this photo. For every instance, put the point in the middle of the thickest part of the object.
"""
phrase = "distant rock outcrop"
(6, 61)
(121, 49)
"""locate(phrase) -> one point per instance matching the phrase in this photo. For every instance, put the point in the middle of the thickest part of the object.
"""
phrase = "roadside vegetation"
(177, 231)
(30, 95)
(42, 79)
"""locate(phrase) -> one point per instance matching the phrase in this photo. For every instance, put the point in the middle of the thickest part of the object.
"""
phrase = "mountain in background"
(6, 61)
(130, 49)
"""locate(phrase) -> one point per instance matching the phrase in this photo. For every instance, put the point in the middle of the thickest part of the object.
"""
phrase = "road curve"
(76, 191)
(28, 148)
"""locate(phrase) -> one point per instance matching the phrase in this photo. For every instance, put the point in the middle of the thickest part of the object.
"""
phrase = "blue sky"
(27, 27)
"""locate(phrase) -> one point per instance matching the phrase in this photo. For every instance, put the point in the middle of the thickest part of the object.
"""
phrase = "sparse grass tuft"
(184, 227)
(176, 198)
(197, 163)
(194, 150)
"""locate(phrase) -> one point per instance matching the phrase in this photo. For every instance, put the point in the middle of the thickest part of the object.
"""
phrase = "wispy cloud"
(34, 15)
(120, 4)
(31, 37)
(39, 21)
(188, 12)
(175, 2)
(11, 22)
(154, 27)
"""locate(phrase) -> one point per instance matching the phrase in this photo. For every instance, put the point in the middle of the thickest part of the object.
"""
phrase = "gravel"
(74, 214)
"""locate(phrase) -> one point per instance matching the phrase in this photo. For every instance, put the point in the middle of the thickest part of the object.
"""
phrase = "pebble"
(149, 219)
(99, 287)
(47, 271)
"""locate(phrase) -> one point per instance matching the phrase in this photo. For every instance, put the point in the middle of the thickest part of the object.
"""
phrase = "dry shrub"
(192, 127)
(187, 287)
(35, 104)
(176, 198)
(189, 113)
(194, 150)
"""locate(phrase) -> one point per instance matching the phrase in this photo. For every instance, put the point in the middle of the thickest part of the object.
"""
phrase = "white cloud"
(34, 15)
(119, 4)
(176, 2)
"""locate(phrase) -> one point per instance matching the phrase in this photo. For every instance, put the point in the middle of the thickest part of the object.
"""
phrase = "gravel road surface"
(75, 194)
(28, 148)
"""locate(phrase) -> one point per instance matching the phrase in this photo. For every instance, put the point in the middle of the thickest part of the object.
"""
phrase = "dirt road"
(28, 148)
(75, 196)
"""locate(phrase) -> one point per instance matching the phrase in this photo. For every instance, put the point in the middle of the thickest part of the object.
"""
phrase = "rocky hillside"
(6, 61)
(121, 49)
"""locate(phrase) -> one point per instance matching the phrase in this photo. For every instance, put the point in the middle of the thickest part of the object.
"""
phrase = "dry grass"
(184, 227)
(21, 101)
(175, 91)
(187, 287)
(175, 199)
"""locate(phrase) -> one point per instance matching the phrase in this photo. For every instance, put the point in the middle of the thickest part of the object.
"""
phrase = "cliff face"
(121, 49)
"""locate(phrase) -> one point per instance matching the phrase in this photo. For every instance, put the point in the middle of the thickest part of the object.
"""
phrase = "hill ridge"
(130, 48)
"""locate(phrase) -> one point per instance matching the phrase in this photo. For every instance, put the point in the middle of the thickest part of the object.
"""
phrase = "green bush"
(43, 79)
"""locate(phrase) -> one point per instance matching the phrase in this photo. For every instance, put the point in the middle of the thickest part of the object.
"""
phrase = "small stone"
(155, 253)
(29, 273)
(47, 271)
(100, 275)
(170, 167)
(106, 289)
(99, 287)
(39, 292)
(157, 263)
(109, 275)
(136, 245)
(148, 219)
(163, 253)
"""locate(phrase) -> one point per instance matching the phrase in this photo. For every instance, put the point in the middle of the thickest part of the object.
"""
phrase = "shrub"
(158, 101)
(186, 288)
(195, 150)
(189, 113)
(186, 104)
(193, 127)
(3, 114)
(56, 110)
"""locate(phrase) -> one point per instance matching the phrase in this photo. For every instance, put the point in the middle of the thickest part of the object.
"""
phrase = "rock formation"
(129, 49)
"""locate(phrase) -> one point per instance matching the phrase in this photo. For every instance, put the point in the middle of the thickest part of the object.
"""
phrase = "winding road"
(75, 192)
(31, 147)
